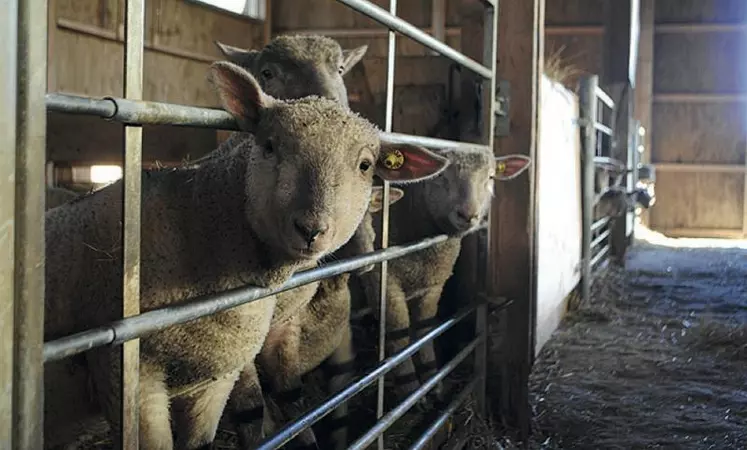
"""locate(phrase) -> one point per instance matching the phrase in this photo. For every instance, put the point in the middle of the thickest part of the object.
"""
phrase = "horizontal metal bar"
(610, 163)
(700, 168)
(603, 128)
(600, 238)
(153, 113)
(604, 97)
(660, 28)
(604, 250)
(312, 416)
(444, 416)
(399, 410)
(148, 322)
(699, 97)
(401, 26)
(599, 224)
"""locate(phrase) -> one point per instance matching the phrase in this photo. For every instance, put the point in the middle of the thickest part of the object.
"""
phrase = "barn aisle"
(657, 360)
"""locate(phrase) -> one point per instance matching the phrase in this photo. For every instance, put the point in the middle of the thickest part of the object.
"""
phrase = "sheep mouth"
(306, 253)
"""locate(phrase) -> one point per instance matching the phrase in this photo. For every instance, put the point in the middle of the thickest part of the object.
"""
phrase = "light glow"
(105, 174)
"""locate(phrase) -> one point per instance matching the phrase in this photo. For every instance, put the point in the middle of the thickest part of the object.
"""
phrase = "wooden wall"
(86, 57)
(421, 95)
(698, 117)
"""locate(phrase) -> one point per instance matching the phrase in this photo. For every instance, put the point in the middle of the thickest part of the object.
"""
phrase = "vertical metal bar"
(438, 22)
(490, 44)
(588, 106)
(133, 90)
(391, 58)
(9, 36)
(31, 122)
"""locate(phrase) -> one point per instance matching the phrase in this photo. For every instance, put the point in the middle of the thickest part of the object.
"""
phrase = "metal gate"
(22, 98)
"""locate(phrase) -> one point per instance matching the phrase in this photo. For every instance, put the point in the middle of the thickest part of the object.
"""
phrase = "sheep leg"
(196, 415)
(247, 407)
(424, 310)
(154, 423)
(281, 360)
(340, 367)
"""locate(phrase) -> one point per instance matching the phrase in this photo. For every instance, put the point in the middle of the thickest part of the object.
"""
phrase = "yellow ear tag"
(394, 160)
(501, 167)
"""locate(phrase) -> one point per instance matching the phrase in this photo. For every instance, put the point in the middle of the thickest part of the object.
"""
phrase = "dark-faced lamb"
(616, 201)
(452, 203)
(295, 191)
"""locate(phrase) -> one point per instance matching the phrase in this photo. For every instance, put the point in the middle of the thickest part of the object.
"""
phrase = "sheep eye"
(267, 74)
(364, 166)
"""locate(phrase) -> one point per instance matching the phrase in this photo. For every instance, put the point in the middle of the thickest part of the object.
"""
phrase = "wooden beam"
(512, 236)
(644, 90)
(699, 97)
(700, 168)
(267, 25)
(360, 32)
(713, 233)
(662, 28)
(578, 30)
(438, 21)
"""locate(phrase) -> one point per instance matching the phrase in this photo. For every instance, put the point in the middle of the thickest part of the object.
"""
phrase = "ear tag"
(394, 159)
(501, 167)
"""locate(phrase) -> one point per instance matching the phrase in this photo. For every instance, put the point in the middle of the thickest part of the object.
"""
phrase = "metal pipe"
(603, 128)
(155, 113)
(388, 116)
(399, 410)
(8, 93)
(599, 224)
(133, 156)
(603, 96)
(611, 164)
(588, 91)
(29, 244)
(137, 326)
(395, 23)
(598, 240)
(600, 255)
(444, 416)
(309, 418)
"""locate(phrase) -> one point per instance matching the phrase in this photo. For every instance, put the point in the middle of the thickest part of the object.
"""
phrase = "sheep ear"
(244, 58)
(377, 197)
(511, 166)
(351, 57)
(239, 94)
(405, 163)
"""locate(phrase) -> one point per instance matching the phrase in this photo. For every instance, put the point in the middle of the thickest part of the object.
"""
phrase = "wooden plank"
(712, 233)
(699, 97)
(644, 90)
(574, 12)
(699, 133)
(698, 200)
(701, 11)
(576, 30)
(700, 63)
(700, 28)
(700, 168)
(512, 246)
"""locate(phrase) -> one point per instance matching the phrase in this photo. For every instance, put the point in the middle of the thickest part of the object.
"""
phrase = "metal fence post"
(587, 117)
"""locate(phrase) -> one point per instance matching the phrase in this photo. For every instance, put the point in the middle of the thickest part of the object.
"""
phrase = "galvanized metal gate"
(22, 98)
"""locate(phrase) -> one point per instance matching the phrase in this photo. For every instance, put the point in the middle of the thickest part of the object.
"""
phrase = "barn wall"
(421, 94)
(559, 206)
(698, 117)
(86, 55)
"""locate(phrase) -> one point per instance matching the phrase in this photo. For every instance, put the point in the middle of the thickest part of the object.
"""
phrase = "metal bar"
(661, 28)
(391, 57)
(395, 23)
(699, 97)
(309, 418)
(604, 250)
(610, 163)
(438, 21)
(588, 91)
(700, 168)
(155, 113)
(444, 416)
(8, 78)
(599, 224)
(603, 128)
(29, 245)
(133, 146)
(158, 319)
(399, 410)
(603, 96)
(598, 240)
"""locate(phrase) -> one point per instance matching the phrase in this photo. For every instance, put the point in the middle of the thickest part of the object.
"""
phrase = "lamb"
(57, 196)
(320, 331)
(616, 201)
(452, 204)
(294, 192)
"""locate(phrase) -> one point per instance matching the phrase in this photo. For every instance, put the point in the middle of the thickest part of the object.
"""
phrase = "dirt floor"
(658, 359)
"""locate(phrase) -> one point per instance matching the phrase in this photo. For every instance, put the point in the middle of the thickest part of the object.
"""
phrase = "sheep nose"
(310, 229)
(465, 215)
